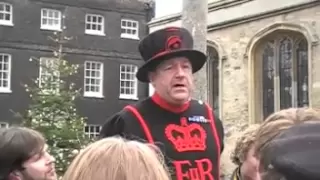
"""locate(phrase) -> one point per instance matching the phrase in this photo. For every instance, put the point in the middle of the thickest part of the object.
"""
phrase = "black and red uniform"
(191, 137)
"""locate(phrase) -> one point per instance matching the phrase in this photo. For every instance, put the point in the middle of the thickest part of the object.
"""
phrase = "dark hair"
(18, 144)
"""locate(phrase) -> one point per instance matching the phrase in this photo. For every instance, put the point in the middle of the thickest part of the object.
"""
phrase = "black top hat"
(165, 44)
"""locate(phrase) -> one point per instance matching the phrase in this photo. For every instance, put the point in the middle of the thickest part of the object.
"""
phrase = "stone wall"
(235, 42)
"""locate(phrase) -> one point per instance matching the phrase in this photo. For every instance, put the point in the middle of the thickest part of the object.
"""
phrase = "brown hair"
(244, 144)
(17, 145)
(115, 158)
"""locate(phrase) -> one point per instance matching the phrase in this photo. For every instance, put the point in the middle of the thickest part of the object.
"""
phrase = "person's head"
(293, 154)
(115, 158)
(24, 156)
(279, 121)
(173, 79)
(243, 154)
(170, 63)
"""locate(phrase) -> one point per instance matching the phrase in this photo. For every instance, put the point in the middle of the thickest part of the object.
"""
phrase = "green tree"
(52, 110)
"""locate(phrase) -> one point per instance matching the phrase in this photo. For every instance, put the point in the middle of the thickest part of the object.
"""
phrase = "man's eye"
(187, 67)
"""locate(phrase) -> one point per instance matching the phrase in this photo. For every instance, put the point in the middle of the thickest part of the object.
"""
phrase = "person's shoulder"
(115, 124)
(197, 102)
(142, 104)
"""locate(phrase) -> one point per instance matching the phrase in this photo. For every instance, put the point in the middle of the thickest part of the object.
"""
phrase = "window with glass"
(213, 69)
(4, 125)
(93, 79)
(94, 24)
(129, 29)
(6, 13)
(50, 19)
(49, 75)
(128, 81)
(92, 131)
(5, 73)
(284, 73)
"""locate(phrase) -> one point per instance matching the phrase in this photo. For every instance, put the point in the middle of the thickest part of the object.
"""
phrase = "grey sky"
(166, 7)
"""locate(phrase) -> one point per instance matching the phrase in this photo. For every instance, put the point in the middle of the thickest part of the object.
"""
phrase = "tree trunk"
(194, 18)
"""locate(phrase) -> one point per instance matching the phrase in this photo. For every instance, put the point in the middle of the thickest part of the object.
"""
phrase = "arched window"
(213, 69)
(284, 72)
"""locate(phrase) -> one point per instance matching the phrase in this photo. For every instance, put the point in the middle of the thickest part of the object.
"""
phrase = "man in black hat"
(190, 135)
(293, 154)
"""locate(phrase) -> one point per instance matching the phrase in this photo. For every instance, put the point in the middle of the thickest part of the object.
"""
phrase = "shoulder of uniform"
(142, 103)
(195, 101)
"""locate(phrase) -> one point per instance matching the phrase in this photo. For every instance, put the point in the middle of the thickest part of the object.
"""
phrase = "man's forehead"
(175, 60)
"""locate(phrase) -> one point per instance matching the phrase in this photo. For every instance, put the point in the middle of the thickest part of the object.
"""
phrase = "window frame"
(257, 106)
(90, 93)
(48, 27)
(92, 134)
(133, 96)
(95, 32)
(47, 91)
(9, 71)
(126, 35)
(214, 80)
(7, 22)
(5, 124)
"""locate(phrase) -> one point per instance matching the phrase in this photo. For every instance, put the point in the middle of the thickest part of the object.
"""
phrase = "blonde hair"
(279, 121)
(243, 144)
(115, 158)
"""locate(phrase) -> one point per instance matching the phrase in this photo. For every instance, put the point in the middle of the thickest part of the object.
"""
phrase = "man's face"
(173, 80)
(39, 167)
(250, 167)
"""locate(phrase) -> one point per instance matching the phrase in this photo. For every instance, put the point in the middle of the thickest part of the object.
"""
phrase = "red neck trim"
(165, 105)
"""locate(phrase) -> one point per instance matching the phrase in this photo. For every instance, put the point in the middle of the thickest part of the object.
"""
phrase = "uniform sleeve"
(114, 125)
(220, 129)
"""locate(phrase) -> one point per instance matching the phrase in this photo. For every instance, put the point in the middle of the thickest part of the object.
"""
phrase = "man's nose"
(180, 71)
(51, 159)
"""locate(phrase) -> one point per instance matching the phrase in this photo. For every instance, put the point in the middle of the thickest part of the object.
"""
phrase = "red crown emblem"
(187, 137)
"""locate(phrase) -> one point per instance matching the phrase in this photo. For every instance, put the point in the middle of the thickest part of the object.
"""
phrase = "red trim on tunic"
(142, 123)
(215, 134)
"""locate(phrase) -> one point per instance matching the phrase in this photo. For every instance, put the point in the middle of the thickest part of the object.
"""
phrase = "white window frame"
(92, 134)
(3, 21)
(98, 94)
(92, 31)
(8, 71)
(51, 27)
(133, 96)
(4, 125)
(41, 71)
(130, 36)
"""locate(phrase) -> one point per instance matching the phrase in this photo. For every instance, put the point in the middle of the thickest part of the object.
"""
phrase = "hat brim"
(196, 58)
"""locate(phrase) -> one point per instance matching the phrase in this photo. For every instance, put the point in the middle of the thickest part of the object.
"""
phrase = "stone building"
(264, 56)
